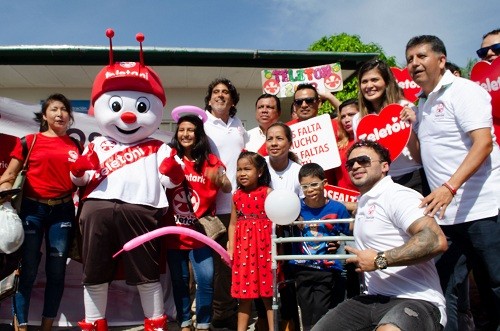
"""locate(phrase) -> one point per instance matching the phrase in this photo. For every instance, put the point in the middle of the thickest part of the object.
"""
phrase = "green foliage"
(468, 68)
(344, 42)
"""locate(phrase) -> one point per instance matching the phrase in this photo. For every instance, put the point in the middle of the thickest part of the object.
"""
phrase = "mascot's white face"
(128, 116)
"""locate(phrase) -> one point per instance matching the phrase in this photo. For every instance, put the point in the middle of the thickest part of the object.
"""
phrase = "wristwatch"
(380, 261)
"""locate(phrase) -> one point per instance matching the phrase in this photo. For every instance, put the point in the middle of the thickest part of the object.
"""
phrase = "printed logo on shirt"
(183, 215)
(73, 155)
(438, 111)
(107, 145)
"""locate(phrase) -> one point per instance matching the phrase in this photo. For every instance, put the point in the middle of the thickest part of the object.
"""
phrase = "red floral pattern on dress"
(252, 275)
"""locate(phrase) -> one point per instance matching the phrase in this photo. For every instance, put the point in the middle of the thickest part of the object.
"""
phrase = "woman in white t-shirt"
(378, 88)
(283, 164)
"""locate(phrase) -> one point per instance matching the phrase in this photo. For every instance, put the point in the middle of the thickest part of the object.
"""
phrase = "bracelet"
(451, 188)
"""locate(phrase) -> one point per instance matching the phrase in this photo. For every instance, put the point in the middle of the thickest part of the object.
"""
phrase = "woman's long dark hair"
(201, 148)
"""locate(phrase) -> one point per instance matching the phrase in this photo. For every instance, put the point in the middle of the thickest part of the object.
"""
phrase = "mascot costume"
(124, 174)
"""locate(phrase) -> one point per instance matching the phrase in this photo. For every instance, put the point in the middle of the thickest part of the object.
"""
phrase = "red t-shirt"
(341, 172)
(48, 166)
(203, 195)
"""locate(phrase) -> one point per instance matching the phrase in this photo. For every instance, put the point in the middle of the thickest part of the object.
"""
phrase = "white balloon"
(282, 207)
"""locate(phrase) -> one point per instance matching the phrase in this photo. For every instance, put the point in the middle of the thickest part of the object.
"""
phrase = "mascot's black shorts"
(106, 226)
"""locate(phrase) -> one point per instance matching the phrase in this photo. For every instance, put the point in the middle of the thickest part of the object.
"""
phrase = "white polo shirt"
(226, 141)
(383, 217)
(455, 107)
(256, 138)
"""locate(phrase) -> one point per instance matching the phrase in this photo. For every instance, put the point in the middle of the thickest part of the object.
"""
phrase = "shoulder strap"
(24, 144)
(27, 154)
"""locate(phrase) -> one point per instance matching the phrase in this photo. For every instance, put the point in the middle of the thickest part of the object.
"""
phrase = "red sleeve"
(263, 150)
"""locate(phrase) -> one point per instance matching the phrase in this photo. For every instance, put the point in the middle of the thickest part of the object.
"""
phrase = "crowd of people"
(423, 220)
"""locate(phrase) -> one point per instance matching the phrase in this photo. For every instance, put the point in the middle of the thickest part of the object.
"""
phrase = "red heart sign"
(410, 88)
(386, 128)
(488, 76)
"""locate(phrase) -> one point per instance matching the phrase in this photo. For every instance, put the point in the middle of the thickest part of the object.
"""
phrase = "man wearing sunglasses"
(395, 244)
(490, 47)
(462, 162)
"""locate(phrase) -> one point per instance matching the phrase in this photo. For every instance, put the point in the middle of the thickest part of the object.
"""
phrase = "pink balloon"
(176, 230)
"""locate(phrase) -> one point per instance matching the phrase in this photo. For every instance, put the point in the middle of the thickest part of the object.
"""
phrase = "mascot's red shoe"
(156, 324)
(99, 325)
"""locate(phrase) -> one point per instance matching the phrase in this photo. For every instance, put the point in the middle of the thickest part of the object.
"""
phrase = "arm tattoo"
(421, 247)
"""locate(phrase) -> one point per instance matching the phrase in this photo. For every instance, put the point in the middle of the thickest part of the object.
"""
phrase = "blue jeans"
(479, 242)
(55, 223)
(203, 269)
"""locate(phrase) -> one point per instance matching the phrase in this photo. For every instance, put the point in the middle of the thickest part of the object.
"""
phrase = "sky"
(250, 24)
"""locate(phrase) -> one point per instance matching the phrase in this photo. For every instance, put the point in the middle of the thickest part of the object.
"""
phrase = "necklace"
(280, 174)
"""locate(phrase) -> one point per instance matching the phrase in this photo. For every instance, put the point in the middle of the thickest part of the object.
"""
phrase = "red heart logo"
(487, 75)
(404, 80)
(386, 128)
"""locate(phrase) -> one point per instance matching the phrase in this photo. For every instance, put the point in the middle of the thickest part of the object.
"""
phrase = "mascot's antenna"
(140, 38)
(110, 34)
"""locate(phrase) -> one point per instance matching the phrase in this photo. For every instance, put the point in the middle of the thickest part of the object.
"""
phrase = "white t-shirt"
(404, 163)
(383, 217)
(128, 172)
(287, 179)
(455, 107)
(226, 141)
(256, 138)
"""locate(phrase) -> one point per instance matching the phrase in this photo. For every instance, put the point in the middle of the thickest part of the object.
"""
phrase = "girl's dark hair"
(45, 105)
(201, 148)
(288, 134)
(260, 163)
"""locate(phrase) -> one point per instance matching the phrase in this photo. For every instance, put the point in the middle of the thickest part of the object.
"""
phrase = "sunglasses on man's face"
(495, 48)
(309, 101)
(363, 161)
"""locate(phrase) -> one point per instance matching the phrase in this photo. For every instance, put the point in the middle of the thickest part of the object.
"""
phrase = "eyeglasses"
(309, 101)
(484, 50)
(363, 160)
(305, 187)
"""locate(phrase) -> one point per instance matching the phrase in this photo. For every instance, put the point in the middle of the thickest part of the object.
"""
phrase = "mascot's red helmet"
(127, 76)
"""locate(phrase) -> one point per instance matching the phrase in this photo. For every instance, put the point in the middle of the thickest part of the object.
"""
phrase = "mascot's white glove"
(89, 161)
(172, 169)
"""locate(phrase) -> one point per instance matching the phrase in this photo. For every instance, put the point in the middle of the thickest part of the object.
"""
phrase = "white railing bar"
(280, 240)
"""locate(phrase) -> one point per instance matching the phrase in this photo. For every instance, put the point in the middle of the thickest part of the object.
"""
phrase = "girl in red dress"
(250, 238)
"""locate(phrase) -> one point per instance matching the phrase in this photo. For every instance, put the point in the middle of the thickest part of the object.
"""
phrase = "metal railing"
(284, 257)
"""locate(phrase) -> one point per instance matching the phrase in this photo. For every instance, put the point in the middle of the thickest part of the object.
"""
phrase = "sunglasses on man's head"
(484, 50)
(309, 101)
(363, 160)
